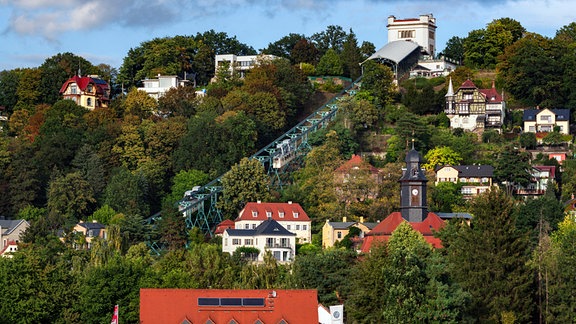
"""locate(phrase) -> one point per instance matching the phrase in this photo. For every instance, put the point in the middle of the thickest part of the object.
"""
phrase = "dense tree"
(351, 56)
(488, 258)
(127, 193)
(332, 38)
(71, 196)
(179, 101)
(283, 47)
(8, 86)
(512, 167)
(377, 80)
(327, 271)
(304, 51)
(367, 49)
(446, 197)
(441, 156)
(330, 64)
(454, 49)
(245, 182)
(537, 215)
(184, 181)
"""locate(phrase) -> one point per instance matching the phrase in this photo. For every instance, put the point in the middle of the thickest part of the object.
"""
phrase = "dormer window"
(281, 214)
(254, 213)
(295, 214)
(269, 214)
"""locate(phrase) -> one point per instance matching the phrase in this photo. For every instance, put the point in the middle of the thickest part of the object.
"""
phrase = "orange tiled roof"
(280, 212)
(272, 306)
(356, 161)
(383, 231)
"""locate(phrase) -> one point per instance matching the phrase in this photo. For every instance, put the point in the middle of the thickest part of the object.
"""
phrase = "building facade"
(267, 236)
(421, 31)
(546, 120)
(240, 64)
(475, 179)
(10, 231)
(157, 88)
(90, 92)
(290, 215)
(474, 109)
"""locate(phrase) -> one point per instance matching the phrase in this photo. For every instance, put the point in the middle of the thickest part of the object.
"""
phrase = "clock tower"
(413, 206)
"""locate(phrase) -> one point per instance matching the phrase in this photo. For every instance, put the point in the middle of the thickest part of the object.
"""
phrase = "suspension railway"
(279, 158)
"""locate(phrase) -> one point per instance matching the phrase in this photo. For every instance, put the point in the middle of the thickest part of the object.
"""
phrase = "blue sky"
(102, 31)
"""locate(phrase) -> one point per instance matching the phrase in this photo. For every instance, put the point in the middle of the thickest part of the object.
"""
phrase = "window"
(89, 102)
(406, 33)
(73, 89)
(339, 235)
(253, 226)
(246, 226)
(90, 88)
(281, 214)
(226, 242)
(233, 322)
(295, 214)
(304, 227)
(546, 118)
(288, 227)
(284, 242)
(277, 255)
(258, 322)
(467, 191)
(236, 241)
(531, 129)
(269, 214)
(297, 227)
(248, 242)
(430, 34)
(254, 213)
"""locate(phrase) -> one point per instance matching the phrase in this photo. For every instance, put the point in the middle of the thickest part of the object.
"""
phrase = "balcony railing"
(276, 245)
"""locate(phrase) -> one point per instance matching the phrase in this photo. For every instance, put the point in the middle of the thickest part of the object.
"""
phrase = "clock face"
(414, 192)
(336, 314)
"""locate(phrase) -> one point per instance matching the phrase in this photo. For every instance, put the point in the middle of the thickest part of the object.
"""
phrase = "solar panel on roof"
(208, 301)
(252, 301)
(230, 301)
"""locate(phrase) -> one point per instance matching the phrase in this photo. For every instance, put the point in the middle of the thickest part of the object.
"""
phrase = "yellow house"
(545, 120)
(333, 232)
(475, 179)
(90, 92)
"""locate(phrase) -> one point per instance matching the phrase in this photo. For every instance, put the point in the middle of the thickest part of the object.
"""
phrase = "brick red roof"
(382, 232)
(259, 210)
(468, 84)
(224, 225)
(177, 305)
(83, 82)
(356, 161)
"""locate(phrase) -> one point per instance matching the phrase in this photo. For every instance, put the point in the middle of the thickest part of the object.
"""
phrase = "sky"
(103, 31)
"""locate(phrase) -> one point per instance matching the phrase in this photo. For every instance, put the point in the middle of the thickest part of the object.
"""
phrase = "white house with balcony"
(290, 215)
(240, 64)
(545, 120)
(156, 88)
(267, 236)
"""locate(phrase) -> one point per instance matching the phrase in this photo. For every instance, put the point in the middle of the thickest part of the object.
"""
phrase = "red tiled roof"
(383, 231)
(261, 208)
(224, 225)
(468, 84)
(550, 168)
(175, 305)
(491, 95)
(83, 82)
(11, 242)
(356, 161)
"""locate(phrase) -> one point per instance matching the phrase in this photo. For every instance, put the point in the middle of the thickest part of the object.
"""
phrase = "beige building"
(475, 179)
(10, 232)
(545, 120)
(90, 92)
(421, 30)
(333, 232)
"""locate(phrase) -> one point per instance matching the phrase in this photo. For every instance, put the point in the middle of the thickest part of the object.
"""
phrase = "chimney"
(344, 219)
(289, 202)
(94, 221)
(258, 201)
(361, 219)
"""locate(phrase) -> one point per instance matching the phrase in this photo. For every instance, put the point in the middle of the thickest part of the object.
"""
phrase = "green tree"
(328, 272)
(330, 64)
(8, 87)
(446, 196)
(139, 103)
(367, 49)
(488, 258)
(351, 56)
(304, 51)
(512, 167)
(441, 156)
(528, 140)
(332, 38)
(454, 48)
(70, 196)
(246, 181)
(377, 80)
(536, 215)
(127, 193)
(179, 101)
(283, 47)
(184, 181)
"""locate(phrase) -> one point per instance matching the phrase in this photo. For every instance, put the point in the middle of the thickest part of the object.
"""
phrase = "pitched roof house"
(358, 169)
(544, 120)
(475, 179)
(251, 306)
(542, 175)
(10, 231)
(290, 215)
(333, 232)
(90, 230)
(472, 109)
(413, 208)
(89, 92)
(267, 236)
